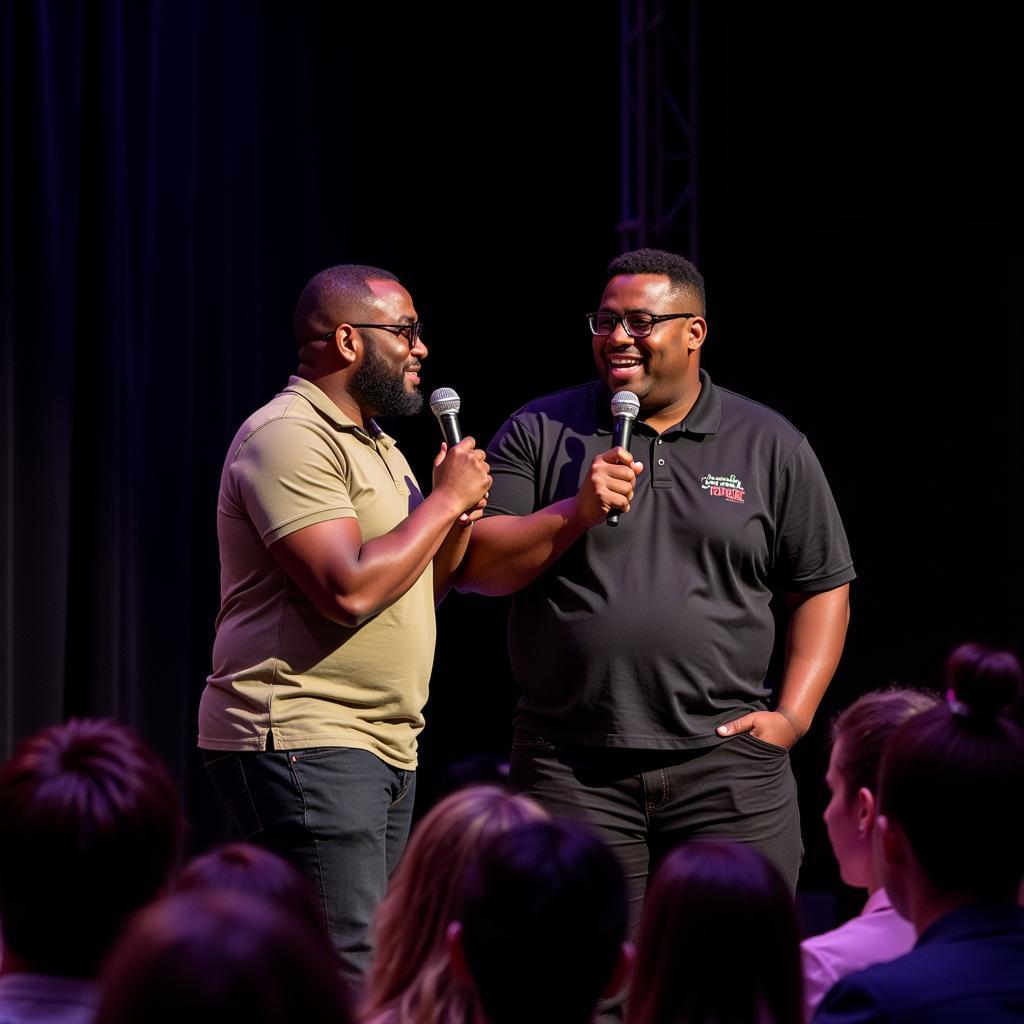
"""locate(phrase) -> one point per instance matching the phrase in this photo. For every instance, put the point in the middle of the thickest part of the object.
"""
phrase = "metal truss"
(658, 130)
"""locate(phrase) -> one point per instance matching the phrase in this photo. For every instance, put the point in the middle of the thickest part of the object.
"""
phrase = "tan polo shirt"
(278, 665)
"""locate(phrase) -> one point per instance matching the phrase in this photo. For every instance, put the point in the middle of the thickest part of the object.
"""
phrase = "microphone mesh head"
(625, 403)
(444, 400)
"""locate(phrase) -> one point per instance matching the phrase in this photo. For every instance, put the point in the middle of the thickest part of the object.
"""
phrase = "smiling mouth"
(623, 366)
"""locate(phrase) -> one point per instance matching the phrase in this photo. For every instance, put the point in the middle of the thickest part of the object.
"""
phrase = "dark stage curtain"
(144, 146)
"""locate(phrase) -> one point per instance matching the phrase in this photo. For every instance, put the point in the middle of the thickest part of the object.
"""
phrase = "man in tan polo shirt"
(331, 563)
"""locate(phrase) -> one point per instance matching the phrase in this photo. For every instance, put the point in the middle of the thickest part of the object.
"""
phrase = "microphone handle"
(621, 439)
(450, 428)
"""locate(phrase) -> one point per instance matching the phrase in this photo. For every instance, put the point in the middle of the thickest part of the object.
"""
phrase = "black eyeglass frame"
(656, 318)
(411, 331)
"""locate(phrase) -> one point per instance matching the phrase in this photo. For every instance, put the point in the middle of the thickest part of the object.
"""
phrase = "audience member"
(91, 829)
(213, 956)
(859, 735)
(951, 848)
(541, 926)
(245, 867)
(411, 978)
(718, 941)
(982, 662)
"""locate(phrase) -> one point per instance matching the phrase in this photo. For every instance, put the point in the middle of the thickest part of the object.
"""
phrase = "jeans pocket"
(228, 777)
(523, 740)
(764, 744)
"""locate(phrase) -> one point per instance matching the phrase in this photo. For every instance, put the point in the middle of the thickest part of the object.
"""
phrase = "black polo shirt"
(653, 633)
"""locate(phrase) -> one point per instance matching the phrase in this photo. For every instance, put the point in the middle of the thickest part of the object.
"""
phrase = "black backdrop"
(173, 172)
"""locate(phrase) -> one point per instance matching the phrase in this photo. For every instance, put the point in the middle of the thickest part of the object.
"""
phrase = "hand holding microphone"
(608, 486)
(625, 409)
(460, 469)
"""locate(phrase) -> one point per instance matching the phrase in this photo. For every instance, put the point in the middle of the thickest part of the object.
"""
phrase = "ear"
(698, 333)
(867, 812)
(457, 953)
(347, 344)
(894, 841)
(622, 972)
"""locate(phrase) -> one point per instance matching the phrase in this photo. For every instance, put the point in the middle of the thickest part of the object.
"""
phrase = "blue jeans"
(340, 814)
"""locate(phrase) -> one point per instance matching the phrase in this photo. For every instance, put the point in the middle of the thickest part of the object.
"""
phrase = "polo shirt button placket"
(661, 477)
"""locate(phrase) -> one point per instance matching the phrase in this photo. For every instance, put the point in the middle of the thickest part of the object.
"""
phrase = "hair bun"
(983, 681)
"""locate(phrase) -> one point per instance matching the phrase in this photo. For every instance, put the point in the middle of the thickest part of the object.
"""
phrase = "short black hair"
(685, 277)
(543, 910)
(90, 831)
(334, 294)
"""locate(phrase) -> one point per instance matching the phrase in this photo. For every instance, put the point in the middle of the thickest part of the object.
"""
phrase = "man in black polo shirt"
(642, 649)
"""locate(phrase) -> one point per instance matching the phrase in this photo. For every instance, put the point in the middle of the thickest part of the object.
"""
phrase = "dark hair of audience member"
(411, 977)
(245, 867)
(865, 727)
(543, 914)
(1000, 667)
(718, 941)
(210, 956)
(953, 779)
(90, 830)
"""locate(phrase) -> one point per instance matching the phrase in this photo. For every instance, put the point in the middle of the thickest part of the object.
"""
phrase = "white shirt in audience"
(878, 934)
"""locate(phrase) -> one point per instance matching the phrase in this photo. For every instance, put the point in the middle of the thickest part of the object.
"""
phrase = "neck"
(672, 414)
(334, 385)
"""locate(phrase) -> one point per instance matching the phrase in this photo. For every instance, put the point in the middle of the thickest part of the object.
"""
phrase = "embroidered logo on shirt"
(727, 487)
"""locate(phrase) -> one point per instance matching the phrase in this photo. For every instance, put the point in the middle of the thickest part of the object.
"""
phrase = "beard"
(381, 388)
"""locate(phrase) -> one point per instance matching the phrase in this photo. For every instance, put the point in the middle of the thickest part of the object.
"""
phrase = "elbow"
(348, 610)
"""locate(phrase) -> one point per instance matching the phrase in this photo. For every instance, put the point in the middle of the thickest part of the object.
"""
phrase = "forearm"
(388, 566)
(814, 645)
(449, 557)
(508, 552)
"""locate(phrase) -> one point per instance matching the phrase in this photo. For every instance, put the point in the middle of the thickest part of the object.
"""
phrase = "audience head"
(541, 924)
(411, 965)
(1000, 669)
(206, 957)
(90, 830)
(718, 940)
(483, 769)
(244, 867)
(859, 735)
(951, 789)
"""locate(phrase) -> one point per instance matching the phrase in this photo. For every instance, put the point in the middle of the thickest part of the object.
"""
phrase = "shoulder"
(571, 405)
(284, 418)
(742, 413)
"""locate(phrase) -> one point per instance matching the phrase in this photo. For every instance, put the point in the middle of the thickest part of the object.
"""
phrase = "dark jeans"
(340, 814)
(645, 802)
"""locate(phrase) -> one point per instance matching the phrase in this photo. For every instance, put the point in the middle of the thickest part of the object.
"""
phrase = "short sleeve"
(811, 550)
(287, 475)
(513, 458)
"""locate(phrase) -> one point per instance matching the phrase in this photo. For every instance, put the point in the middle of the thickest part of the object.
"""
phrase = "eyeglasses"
(636, 325)
(410, 332)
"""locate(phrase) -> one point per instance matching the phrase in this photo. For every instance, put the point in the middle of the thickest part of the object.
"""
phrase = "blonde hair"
(410, 980)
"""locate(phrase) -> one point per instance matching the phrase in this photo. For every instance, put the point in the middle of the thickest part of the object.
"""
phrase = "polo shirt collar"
(704, 418)
(325, 407)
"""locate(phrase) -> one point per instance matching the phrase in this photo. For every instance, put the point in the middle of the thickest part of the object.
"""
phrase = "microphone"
(625, 408)
(445, 404)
